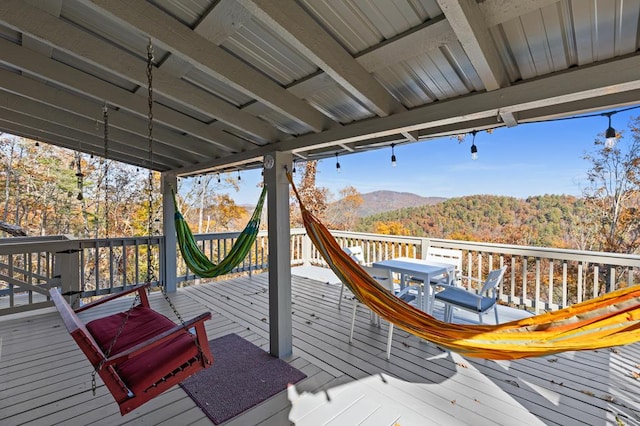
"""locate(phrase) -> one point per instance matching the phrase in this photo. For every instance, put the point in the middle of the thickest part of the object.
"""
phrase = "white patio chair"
(484, 301)
(385, 278)
(356, 254)
(443, 255)
(448, 256)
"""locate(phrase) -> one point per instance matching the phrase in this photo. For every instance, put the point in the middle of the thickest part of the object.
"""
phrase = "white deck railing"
(537, 278)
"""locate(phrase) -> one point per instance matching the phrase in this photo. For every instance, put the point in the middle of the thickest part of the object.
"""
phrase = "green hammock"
(197, 262)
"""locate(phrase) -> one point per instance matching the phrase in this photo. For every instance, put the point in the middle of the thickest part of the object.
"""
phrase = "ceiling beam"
(217, 27)
(301, 31)
(431, 35)
(211, 59)
(582, 106)
(45, 131)
(508, 117)
(559, 89)
(472, 31)
(92, 128)
(65, 101)
(63, 35)
(88, 86)
(496, 12)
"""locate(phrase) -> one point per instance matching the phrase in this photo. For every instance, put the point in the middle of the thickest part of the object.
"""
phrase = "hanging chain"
(113, 343)
(105, 119)
(150, 274)
(150, 271)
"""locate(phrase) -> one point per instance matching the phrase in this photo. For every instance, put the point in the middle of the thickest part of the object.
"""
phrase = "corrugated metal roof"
(397, 56)
(9, 34)
(266, 52)
(215, 86)
(569, 33)
(124, 36)
(359, 25)
(188, 12)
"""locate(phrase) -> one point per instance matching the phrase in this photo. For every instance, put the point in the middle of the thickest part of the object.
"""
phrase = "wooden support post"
(280, 321)
(168, 252)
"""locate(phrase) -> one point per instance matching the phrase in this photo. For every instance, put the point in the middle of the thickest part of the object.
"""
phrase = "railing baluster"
(525, 271)
(479, 277)
(564, 284)
(29, 275)
(579, 287)
(537, 293)
(612, 273)
(501, 288)
(550, 290)
(11, 272)
(513, 279)
(110, 244)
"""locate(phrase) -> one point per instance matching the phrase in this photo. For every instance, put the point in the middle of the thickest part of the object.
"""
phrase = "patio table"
(422, 269)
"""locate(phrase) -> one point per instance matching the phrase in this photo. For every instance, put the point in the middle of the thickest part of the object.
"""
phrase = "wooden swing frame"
(166, 348)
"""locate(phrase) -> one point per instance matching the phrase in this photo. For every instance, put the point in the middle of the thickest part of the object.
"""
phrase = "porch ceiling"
(236, 79)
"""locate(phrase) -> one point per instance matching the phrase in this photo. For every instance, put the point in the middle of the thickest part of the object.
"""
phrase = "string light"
(393, 155)
(610, 133)
(474, 148)
(218, 177)
(293, 172)
(79, 176)
(337, 164)
(239, 177)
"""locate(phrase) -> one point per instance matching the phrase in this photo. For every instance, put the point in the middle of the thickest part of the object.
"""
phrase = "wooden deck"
(45, 380)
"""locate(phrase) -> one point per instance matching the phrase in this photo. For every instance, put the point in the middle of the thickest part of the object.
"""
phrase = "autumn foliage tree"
(313, 198)
(344, 212)
(613, 193)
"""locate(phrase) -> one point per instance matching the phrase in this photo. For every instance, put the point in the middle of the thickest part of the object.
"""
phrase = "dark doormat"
(242, 376)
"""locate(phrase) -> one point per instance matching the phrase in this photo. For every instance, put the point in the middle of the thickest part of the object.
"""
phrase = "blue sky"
(529, 159)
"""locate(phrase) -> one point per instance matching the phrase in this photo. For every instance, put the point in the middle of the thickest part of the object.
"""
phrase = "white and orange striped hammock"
(612, 319)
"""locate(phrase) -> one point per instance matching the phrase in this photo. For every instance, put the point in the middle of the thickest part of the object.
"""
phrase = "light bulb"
(610, 134)
(474, 148)
(393, 155)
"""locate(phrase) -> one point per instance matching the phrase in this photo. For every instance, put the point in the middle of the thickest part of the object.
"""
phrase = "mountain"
(384, 201)
(544, 220)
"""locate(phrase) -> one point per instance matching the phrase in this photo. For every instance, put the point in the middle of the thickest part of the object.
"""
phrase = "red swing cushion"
(144, 370)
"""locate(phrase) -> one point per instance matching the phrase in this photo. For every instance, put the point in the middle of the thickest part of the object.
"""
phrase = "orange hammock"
(610, 320)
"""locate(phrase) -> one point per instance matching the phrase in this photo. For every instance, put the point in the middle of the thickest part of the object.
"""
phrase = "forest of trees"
(53, 191)
(546, 220)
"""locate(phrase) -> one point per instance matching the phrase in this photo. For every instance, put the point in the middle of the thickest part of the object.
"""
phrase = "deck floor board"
(45, 379)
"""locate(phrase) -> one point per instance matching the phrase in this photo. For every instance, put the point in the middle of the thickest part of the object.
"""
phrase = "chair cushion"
(465, 299)
(145, 369)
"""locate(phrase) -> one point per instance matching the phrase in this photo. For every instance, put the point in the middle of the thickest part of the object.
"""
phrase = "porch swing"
(138, 353)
